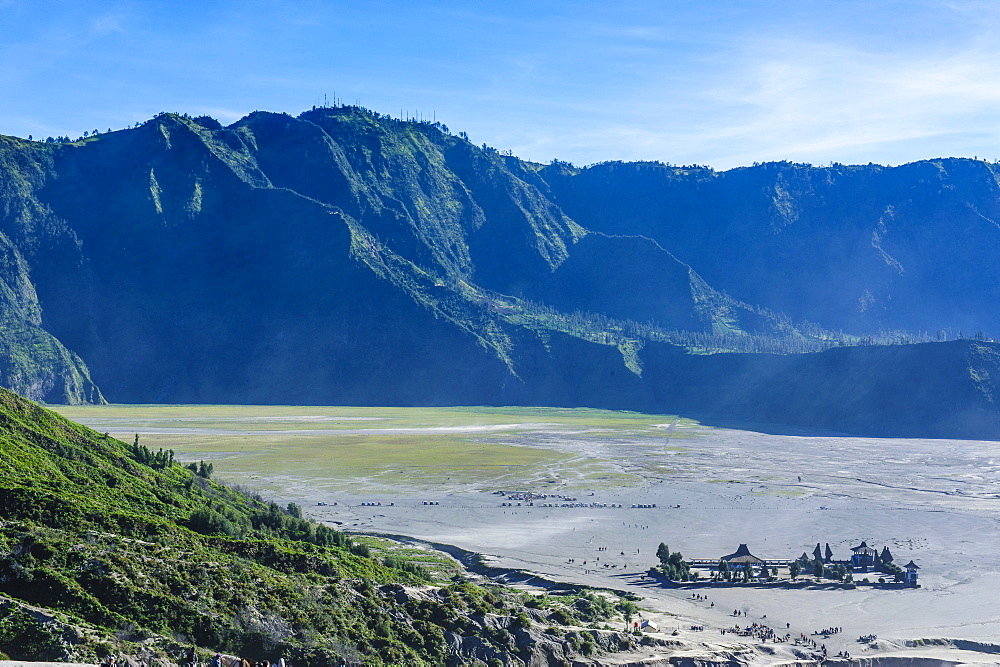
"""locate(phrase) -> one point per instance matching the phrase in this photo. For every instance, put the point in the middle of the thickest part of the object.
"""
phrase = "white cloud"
(107, 24)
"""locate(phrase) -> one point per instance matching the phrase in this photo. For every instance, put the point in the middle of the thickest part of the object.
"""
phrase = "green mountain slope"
(345, 257)
(338, 257)
(860, 248)
(119, 548)
(32, 360)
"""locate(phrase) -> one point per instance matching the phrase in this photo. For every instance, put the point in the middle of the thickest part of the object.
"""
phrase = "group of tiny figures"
(606, 564)
(829, 631)
(191, 660)
(242, 662)
(759, 631)
(703, 598)
(808, 641)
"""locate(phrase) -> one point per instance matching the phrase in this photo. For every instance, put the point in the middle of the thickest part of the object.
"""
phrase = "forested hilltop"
(109, 548)
(344, 257)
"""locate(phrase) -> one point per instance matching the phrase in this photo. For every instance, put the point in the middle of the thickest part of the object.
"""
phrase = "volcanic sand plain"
(936, 502)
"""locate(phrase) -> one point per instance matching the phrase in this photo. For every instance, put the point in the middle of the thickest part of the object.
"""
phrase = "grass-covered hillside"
(111, 547)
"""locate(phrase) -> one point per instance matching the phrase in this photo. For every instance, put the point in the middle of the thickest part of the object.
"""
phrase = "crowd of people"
(759, 631)
(191, 660)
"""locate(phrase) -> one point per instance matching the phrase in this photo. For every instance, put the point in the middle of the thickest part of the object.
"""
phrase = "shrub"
(23, 637)
(562, 617)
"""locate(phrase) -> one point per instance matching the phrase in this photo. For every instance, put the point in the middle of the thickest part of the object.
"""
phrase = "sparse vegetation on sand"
(350, 447)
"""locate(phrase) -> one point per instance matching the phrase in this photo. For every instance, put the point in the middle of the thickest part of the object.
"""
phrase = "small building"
(742, 558)
(910, 576)
(863, 556)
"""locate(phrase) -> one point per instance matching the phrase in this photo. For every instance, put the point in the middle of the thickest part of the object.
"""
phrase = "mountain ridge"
(343, 256)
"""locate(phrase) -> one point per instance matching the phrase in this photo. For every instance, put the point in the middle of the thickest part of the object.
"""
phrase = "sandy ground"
(934, 501)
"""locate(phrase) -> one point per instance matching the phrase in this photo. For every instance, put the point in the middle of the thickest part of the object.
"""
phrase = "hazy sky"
(721, 83)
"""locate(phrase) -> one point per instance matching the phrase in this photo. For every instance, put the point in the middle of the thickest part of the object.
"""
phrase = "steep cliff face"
(345, 257)
(335, 257)
(32, 360)
(859, 248)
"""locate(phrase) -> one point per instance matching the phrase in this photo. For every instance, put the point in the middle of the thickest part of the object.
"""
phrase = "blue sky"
(722, 83)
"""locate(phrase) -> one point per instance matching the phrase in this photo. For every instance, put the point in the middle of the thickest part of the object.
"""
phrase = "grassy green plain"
(367, 448)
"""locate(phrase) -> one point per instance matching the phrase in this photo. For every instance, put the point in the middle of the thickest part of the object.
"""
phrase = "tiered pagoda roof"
(863, 548)
(742, 556)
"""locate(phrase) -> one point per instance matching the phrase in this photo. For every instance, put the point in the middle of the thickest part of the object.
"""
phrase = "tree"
(677, 568)
(795, 569)
(893, 569)
(628, 610)
(724, 571)
(663, 553)
(673, 565)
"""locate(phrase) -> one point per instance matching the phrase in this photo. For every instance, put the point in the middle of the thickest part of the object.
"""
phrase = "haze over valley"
(524, 334)
(347, 257)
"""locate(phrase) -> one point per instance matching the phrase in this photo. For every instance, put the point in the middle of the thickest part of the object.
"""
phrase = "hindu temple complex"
(864, 559)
